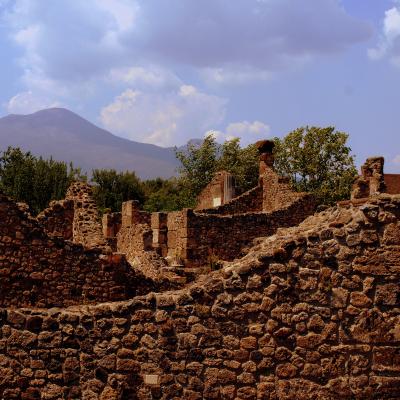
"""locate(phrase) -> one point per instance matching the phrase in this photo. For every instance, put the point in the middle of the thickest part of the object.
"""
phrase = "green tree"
(317, 160)
(198, 166)
(199, 163)
(112, 188)
(164, 195)
(241, 162)
(33, 180)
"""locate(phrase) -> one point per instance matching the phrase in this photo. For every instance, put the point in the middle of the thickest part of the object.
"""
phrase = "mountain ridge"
(66, 136)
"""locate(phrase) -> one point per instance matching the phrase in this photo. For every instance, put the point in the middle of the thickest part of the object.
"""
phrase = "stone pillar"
(160, 232)
(372, 179)
(266, 151)
(130, 209)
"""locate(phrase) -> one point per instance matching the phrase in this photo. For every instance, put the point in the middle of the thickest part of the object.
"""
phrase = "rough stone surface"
(311, 312)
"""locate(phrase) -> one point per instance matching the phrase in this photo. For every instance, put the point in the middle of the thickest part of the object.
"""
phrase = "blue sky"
(163, 72)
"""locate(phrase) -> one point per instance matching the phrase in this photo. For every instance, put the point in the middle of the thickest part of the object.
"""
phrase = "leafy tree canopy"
(34, 180)
(199, 163)
(112, 188)
(317, 160)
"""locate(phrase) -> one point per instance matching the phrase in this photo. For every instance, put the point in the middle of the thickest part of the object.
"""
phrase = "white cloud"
(150, 76)
(389, 45)
(231, 42)
(231, 75)
(163, 118)
(27, 103)
(247, 132)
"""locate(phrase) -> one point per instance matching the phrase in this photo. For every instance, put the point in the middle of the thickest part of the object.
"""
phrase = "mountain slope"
(66, 136)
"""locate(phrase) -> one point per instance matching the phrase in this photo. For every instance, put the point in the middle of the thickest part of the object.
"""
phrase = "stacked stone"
(58, 218)
(250, 201)
(87, 226)
(37, 269)
(310, 313)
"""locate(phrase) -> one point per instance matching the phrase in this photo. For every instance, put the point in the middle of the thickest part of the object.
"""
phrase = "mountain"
(66, 136)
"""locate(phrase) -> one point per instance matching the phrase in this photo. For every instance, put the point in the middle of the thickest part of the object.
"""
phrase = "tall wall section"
(87, 226)
(310, 313)
(37, 269)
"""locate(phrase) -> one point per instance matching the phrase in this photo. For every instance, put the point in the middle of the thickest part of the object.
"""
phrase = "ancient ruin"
(258, 297)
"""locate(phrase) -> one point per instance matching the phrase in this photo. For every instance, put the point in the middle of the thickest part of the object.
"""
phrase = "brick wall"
(311, 313)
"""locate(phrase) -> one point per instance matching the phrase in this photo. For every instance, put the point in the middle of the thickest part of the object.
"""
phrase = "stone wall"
(46, 271)
(201, 239)
(250, 201)
(310, 313)
(392, 182)
(58, 218)
(371, 181)
(277, 192)
(87, 226)
(219, 191)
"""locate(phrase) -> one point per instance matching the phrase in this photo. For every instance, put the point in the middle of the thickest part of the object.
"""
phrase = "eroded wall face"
(41, 270)
(312, 313)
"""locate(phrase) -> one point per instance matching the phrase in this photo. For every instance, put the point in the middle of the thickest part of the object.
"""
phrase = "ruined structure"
(309, 311)
(372, 179)
(219, 191)
(194, 240)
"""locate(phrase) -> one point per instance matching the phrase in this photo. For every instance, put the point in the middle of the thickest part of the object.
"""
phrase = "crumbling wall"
(134, 235)
(87, 227)
(371, 181)
(250, 201)
(277, 192)
(45, 271)
(58, 218)
(201, 239)
(310, 313)
(392, 183)
(219, 191)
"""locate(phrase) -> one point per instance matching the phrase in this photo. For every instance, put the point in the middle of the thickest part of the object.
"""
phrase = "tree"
(198, 166)
(317, 160)
(241, 162)
(112, 188)
(164, 195)
(33, 180)
(200, 162)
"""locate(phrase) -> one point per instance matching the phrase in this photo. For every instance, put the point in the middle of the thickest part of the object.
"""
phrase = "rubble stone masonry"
(312, 312)
(37, 269)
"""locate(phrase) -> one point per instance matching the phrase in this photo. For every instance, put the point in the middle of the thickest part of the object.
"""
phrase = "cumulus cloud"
(150, 76)
(77, 40)
(163, 118)
(389, 45)
(247, 132)
(27, 103)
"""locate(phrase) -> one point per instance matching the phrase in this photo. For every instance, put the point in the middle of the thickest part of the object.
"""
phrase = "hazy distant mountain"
(66, 136)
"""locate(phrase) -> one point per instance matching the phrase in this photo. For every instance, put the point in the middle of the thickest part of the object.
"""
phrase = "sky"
(166, 71)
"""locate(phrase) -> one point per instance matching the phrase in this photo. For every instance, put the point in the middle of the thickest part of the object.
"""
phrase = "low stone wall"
(203, 239)
(45, 271)
(250, 201)
(310, 313)
(58, 218)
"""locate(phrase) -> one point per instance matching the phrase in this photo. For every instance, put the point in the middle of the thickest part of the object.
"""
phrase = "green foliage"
(198, 166)
(33, 180)
(199, 163)
(112, 188)
(242, 163)
(317, 160)
(164, 195)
